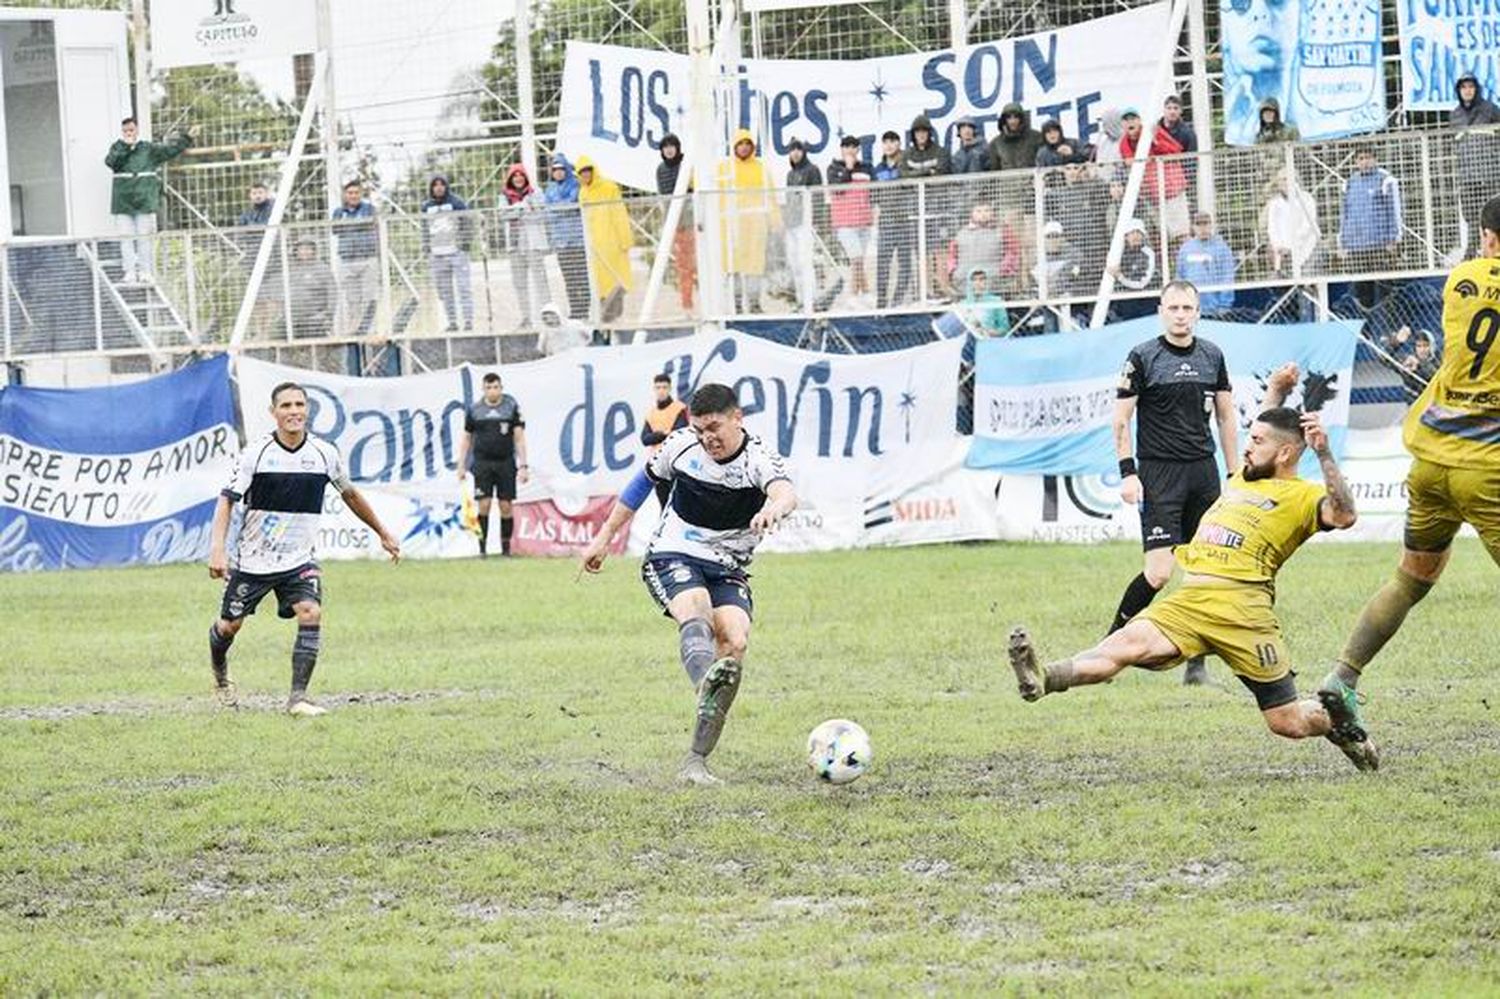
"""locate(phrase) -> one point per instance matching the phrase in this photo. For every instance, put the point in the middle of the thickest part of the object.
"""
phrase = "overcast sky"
(394, 61)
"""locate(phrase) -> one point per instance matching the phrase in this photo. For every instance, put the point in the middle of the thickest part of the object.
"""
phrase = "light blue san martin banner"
(1319, 59)
(1045, 405)
(1442, 40)
(114, 476)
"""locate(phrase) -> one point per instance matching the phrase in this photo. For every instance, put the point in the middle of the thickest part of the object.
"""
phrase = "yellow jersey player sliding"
(1225, 603)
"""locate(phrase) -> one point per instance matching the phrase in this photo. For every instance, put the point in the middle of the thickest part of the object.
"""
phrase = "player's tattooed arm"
(1130, 483)
(1336, 511)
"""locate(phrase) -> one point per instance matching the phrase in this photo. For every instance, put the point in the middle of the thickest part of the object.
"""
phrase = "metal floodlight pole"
(665, 241)
(709, 111)
(278, 210)
(1202, 107)
(698, 41)
(329, 101)
(1159, 90)
(525, 97)
(140, 34)
(958, 23)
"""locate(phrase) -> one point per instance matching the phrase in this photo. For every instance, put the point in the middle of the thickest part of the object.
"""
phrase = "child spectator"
(1208, 262)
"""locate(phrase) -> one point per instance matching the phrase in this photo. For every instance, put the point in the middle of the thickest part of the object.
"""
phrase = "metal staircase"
(149, 315)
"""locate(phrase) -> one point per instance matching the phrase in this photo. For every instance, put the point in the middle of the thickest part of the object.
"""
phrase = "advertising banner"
(1318, 59)
(114, 476)
(193, 32)
(1441, 42)
(1045, 405)
(868, 437)
(618, 102)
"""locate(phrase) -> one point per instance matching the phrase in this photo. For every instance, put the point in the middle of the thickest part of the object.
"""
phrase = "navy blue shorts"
(244, 591)
(668, 575)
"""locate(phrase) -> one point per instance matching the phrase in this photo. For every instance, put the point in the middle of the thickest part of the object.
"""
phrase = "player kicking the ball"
(1225, 603)
(280, 479)
(728, 490)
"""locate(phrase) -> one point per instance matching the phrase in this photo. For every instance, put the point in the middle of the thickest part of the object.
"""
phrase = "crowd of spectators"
(1026, 214)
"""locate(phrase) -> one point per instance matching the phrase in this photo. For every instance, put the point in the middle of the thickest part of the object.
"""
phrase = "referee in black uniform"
(1172, 385)
(496, 430)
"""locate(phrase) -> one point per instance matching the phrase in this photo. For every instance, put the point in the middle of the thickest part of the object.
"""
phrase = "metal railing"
(1039, 238)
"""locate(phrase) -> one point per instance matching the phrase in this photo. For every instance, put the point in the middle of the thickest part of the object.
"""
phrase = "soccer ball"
(839, 751)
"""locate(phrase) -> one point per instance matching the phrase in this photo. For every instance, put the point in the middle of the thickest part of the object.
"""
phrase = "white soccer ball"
(839, 751)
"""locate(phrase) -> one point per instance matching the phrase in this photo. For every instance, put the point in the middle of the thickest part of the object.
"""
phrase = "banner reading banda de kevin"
(1045, 405)
(867, 436)
(114, 476)
(618, 102)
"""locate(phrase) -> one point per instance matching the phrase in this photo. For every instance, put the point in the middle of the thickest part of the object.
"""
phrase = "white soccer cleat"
(227, 694)
(695, 771)
(301, 707)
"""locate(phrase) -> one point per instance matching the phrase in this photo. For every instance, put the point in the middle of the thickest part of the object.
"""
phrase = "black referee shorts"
(497, 478)
(1175, 496)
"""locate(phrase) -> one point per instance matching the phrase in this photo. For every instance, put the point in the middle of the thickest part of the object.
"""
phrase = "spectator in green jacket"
(136, 194)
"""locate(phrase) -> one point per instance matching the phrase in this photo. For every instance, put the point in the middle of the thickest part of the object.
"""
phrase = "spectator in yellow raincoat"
(749, 214)
(606, 226)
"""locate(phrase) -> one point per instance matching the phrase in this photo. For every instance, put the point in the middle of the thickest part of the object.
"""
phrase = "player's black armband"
(1127, 467)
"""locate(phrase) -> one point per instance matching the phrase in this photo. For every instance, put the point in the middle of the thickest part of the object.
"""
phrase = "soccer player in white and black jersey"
(1172, 386)
(280, 480)
(728, 490)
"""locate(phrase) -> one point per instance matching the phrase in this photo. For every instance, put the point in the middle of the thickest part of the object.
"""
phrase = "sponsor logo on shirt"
(1218, 534)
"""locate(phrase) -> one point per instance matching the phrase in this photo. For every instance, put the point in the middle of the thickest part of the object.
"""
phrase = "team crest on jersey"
(1466, 289)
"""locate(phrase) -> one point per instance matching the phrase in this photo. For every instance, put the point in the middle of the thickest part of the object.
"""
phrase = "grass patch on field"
(490, 806)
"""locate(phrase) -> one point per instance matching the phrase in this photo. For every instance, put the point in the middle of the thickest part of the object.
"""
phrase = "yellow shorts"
(1235, 622)
(1440, 499)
